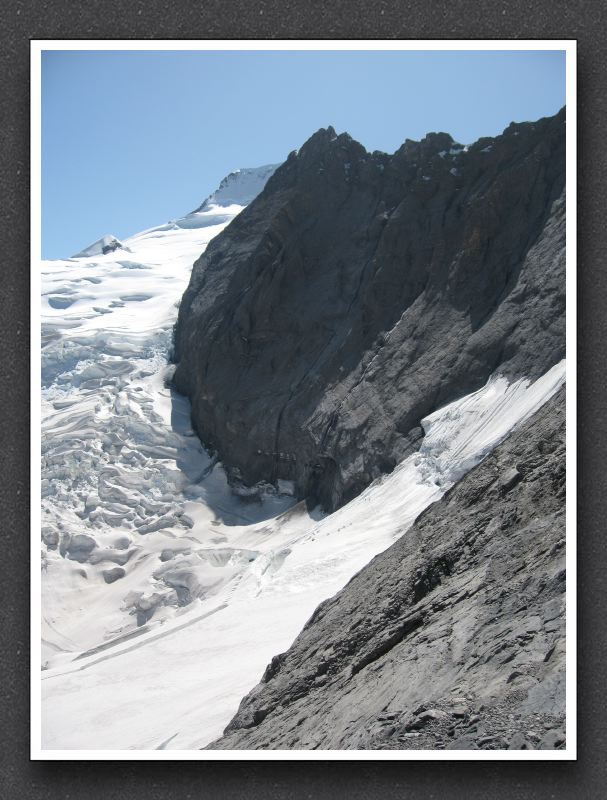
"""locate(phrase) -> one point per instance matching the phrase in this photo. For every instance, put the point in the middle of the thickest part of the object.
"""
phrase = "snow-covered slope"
(239, 187)
(164, 593)
(117, 449)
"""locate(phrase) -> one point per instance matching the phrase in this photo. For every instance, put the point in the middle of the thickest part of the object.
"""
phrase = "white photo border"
(569, 46)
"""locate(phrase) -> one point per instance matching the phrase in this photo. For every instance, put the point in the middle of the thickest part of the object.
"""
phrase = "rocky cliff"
(452, 638)
(360, 291)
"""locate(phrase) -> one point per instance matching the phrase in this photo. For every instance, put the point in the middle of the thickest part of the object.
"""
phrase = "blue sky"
(132, 139)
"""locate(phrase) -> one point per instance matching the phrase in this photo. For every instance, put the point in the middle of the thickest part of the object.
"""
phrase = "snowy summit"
(107, 244)
(239, 187)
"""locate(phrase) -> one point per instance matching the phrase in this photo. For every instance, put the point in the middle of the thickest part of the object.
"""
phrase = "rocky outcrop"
(452, 638)
(107, 244)
(361, 291)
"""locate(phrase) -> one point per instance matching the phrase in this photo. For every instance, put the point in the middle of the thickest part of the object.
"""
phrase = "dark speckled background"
(21, 20)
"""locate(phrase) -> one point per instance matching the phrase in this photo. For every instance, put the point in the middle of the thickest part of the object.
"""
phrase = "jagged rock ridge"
(452, 638)
(361, 291)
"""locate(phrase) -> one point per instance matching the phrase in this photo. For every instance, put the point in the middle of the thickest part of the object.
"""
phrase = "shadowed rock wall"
(361, 291)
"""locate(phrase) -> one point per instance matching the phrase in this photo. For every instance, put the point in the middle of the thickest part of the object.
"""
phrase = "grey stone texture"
(453, 638)
(361, 291)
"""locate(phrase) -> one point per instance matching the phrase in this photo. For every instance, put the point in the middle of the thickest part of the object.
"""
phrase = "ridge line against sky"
(133, 139)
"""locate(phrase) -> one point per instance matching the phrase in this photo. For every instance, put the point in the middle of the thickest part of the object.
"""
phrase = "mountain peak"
(239, 187)
(107, 244)
(344, 249)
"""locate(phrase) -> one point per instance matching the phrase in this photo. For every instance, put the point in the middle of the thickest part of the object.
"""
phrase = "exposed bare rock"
(361, 291)
(453, 638)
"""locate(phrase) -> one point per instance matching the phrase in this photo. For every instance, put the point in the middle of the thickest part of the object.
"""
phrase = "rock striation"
(453, 638)
(361, 291)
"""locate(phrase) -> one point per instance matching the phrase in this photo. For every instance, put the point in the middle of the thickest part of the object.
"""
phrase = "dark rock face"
(111, 246)
(113, 574)
(453, 638)
(360, 291)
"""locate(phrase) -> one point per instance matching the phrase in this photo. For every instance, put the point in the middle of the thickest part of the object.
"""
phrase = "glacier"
(164, 592)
